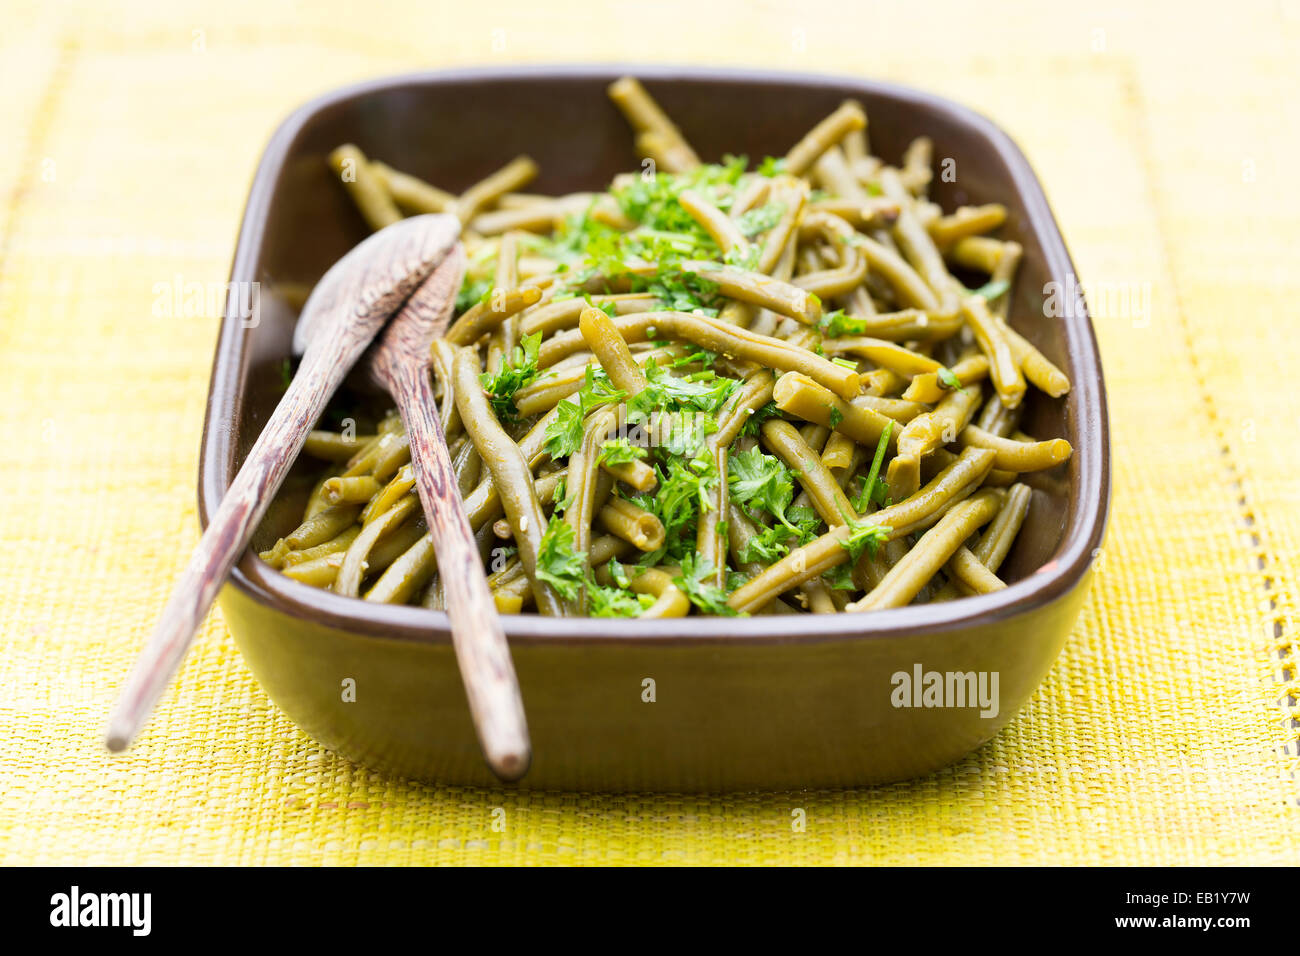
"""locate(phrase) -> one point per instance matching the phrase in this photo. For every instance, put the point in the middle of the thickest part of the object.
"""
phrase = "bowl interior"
(453, 129)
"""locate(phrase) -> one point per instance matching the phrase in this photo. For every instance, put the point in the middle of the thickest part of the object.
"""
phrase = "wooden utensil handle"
(227, 536)
(486, 669)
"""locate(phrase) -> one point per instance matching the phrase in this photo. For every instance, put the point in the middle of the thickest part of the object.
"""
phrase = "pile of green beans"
(711, 388)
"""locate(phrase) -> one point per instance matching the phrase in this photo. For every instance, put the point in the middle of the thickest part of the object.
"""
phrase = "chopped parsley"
(864, 535)
(558, 564)
(520, 370)
(761, 483)
(991, 290)
(620, 451)
(874, 488)
(695, 584)
(948, 379)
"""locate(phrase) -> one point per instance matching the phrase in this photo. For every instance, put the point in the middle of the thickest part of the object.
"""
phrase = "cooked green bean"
(487, 316)
(847, 118)
(411, 193)
(1016, 455)
(333, 446)
(511, 477)
(803, 398)
(676, 155)
(633, 524)
(356, 490)
(905, 579)
(518, 172)
(1004, 370)
(365, 188)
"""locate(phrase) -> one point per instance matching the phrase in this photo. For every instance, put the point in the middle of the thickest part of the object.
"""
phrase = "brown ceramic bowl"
(755, 703)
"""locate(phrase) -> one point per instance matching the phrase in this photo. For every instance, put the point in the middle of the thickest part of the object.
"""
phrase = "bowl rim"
(1086, 516)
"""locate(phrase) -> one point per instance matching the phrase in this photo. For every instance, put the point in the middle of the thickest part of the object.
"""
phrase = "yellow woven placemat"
(1162, 735)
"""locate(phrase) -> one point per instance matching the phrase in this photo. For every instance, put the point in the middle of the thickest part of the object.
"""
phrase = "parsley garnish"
(874, 487)
(863, 535)
(517, 372)
(703, 594)
(755, 421)
(761, 482)
(949, 379)
(620, 451)
(558, 564)
(991, 290)
(564, 434)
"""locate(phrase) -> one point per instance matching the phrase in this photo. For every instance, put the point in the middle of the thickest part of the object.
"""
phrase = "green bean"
(411, 193)
(332, 446)
(839, 452)
(542, 216)
(967, 221)
(890, 355)
(720, 227)
(1014, 455)
(976, 252)
(784, 298)
(852, 267)
(1004, 371)
(505, 336)
(847, 118)
(645, 116)
(582, 484)
(973, 571)
(318, 572)
(512, 478)
(910, 288)
(917, 245)
(355, 565)
(356, 490)
(917, 159)
(669, 600)
(799, 395)
(413, 569)
(335, 545)
(515, 174)
(997, 540)
(929, 387)
(900, 410)
(996, 419)
(973, 576)
(468, 467)
(633, 524)
(322, 526)
(396, 543)
(905, 579)
(484, 317)
(608, 346)
(555, 316)
(1005, 271)
(1036, 368)
(364, 187)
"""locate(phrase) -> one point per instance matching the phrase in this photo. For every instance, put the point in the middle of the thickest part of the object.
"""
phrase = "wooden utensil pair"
(415, 265)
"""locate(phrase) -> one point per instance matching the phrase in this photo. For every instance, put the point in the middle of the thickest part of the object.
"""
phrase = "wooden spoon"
(345, 311)
(399, 363)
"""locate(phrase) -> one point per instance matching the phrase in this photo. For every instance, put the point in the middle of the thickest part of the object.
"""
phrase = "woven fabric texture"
(1164, 138)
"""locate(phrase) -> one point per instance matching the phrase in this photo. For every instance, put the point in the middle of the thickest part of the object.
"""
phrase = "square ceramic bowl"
(691, 704)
